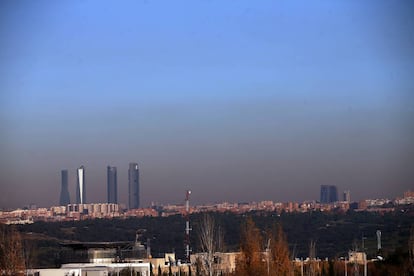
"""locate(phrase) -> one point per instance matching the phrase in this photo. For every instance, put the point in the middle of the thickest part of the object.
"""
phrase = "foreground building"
(83, 269)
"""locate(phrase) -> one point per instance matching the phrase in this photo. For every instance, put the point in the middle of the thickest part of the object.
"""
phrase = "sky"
(238, 101)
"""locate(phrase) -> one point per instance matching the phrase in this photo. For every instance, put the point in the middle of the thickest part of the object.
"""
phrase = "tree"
(189, 270)
(250, 259)
(11, 252)
(29, 253)
(199, 266)
(211, 240)
(279, 252)
(312, 258)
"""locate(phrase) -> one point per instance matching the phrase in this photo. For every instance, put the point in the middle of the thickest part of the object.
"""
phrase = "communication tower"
(187, 226)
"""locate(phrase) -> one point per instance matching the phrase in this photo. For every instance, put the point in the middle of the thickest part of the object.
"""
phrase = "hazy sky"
(236, 100)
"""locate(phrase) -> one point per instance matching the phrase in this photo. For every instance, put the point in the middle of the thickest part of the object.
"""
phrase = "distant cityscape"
(105, 257)
(81, 209)
(112, 186)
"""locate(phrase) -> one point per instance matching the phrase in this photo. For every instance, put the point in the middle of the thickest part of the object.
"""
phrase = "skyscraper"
(80, 187)
(347, 196)
(329, 193)
(133, 186)
(112, 188)
(64, 192)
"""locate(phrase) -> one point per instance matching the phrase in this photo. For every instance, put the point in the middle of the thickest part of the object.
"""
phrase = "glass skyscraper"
(80, 187)
(133, 186)
(112, 185)
(329, 194)
(64, 192)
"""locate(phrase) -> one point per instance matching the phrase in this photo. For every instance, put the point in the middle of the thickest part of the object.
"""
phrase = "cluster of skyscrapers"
(112, 186)
(329, 194)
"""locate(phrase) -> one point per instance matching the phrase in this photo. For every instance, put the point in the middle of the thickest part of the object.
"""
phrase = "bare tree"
(312, 258)
(28, 253)
(11, 253)
(211, 240)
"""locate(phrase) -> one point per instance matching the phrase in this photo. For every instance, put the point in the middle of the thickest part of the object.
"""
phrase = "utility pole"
(363, 246)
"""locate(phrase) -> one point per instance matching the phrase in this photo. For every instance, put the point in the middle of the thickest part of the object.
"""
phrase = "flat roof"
(102, 245)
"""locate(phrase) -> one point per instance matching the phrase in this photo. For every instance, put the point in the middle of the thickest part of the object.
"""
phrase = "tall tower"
(80, 187)
(64, 192)
(187, 226)
(333, 193)
(133, 186)
(112, 188)
(329, 194)
(347, 196)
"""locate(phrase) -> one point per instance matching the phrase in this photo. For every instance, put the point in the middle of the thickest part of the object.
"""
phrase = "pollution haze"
(235, 100)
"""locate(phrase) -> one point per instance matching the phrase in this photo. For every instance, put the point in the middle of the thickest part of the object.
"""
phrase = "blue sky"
(236, 100)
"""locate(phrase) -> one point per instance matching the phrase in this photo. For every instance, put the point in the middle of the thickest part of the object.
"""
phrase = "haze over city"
(233, 100)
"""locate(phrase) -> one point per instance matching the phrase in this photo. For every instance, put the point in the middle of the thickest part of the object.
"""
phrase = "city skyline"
(236, 101)
(328, 193)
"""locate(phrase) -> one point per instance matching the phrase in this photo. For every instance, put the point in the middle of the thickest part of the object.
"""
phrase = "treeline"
(334, 234)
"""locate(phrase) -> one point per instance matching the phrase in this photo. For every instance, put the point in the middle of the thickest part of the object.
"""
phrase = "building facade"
(329, 194)
(347, 196)
(80, 187)
(133, 186)
(64, 191)
(112, 185)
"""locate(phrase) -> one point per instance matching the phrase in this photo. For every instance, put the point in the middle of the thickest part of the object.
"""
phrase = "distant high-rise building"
(347, 196)
(133, 186)
(112, 188)
(329, 193)
(80, 187)
(64, 192)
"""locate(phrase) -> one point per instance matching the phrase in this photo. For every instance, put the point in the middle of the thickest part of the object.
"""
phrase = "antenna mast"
(187, 226)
